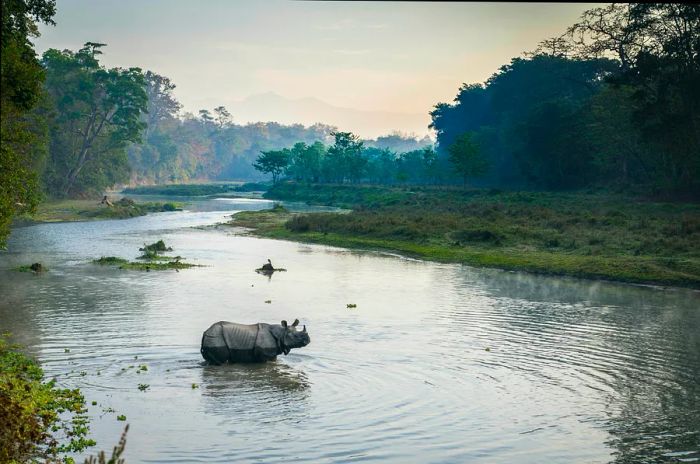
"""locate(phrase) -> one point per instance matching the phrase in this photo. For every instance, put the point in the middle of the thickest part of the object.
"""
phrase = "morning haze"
(367, 67)
(313, 232)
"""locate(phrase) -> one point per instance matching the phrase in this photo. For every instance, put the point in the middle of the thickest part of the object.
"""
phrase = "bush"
(30, 411)
(477, 235)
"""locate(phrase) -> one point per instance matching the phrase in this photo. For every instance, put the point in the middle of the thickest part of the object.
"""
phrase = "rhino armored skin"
(240, 343)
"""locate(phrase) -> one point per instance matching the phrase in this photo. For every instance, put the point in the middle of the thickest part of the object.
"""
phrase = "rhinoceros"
(230, 342)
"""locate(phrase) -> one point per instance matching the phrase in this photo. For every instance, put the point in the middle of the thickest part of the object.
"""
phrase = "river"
(437, 363)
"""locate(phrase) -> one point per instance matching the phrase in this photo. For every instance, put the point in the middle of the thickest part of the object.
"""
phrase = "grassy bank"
(193, 190)
(583, 235)
(86, 210)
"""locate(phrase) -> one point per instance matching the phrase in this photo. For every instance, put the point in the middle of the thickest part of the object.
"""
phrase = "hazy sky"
(388, 56)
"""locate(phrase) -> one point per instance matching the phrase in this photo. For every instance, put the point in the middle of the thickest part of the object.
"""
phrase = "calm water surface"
(438, 363)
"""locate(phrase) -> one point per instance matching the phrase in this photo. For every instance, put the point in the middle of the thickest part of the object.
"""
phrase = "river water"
(438, 362)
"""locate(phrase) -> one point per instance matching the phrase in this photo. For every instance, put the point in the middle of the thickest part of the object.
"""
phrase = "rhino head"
(290, 337)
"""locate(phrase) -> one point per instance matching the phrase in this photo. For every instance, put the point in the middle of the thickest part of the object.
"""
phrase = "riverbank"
(87, 210)
(592, 236)
(192, 190)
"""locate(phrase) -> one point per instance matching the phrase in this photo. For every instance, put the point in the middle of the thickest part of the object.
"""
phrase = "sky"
(397, 59)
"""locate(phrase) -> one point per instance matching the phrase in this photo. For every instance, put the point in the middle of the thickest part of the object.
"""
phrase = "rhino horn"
(295, 323)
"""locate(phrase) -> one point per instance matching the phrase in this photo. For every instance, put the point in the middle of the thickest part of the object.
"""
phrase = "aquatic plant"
(121, 417)
(110, 260)
(35, 267)
(143, 386)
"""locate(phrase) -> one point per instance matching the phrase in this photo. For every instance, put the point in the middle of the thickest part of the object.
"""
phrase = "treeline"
(614, 102)
(210, 146)
(349, 159)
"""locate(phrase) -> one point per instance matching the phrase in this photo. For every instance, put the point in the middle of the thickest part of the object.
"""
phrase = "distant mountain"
(368, 124)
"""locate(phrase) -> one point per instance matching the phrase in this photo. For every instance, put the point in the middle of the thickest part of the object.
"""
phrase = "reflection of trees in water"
(657, 409)
(268, 392)
(642, 343)
(540, 288)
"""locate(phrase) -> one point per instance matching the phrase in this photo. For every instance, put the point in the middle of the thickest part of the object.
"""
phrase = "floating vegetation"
(268, 301)
(194, 385)
(143, 367)
(35, 267)
(351, 305)
(143, 386)
(151, 260)
(66, 350)
(94, 403)
(110, 260)
(121, 417)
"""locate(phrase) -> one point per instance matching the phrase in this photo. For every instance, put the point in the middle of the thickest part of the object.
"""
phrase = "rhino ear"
(295, 323)
(304, 328)
(284, 324)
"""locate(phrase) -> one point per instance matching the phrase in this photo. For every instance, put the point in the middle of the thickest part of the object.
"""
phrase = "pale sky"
(400, 57)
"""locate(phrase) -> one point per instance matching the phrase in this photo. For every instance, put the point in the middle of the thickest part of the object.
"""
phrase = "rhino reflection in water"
(230, 342)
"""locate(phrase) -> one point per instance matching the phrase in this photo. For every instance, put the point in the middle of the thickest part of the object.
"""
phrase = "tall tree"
(273, 162)
(345, 159)
(162, 105)
(305, 161)
(466, 157)
(98, 113)
(21, 77)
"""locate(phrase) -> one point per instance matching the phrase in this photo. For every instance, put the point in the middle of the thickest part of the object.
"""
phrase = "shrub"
(33, 413)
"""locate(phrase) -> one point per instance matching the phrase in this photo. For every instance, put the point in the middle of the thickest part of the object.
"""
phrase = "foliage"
(97, 114)
(611, 102)
(466, 157)
(39, 420)
(273, 162)
(345, 158)
(153, 260)
(22, 135)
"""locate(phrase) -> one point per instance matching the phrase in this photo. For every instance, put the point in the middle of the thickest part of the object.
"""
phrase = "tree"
(273, 162)
(466, 157)
(223, 118)
(22, 134)
(98, 113)
(305, 161)
(162, 105)
(345, 157)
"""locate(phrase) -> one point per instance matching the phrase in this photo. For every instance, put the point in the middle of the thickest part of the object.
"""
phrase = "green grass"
(86, 210)
(191, 190)
(583, 235)
(164, 263)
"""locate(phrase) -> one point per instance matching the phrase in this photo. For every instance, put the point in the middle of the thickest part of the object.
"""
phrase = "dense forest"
(614, 101)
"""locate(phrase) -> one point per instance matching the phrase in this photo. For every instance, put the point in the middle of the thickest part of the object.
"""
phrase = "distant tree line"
(349, 159)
